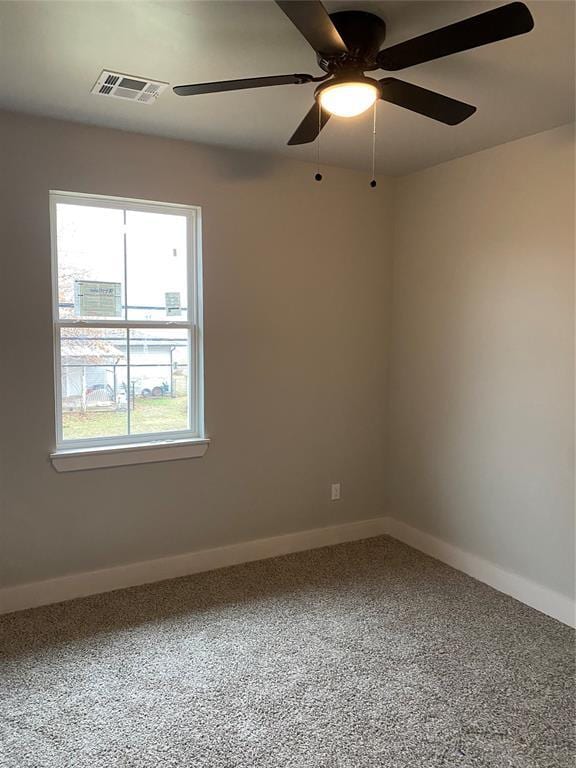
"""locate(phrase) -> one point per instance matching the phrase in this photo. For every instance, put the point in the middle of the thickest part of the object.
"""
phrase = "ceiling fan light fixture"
(349, 43)
(348, 98)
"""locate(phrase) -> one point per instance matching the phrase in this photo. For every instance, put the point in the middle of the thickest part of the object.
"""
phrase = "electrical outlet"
(335, 491)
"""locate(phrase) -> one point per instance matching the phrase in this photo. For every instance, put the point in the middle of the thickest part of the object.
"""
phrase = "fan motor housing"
(364, 34)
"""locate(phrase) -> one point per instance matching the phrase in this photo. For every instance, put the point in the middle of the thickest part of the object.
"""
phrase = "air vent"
(129, 87)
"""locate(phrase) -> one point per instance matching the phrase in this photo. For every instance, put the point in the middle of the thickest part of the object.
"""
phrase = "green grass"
(161, 414)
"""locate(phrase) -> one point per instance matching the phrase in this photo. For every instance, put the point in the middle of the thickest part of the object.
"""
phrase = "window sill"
(122, 455)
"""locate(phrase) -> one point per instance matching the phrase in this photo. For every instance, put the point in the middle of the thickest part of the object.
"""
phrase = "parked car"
(148, 387)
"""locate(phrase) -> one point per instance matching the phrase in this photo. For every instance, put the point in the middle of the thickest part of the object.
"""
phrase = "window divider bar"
(71, 323)
(128, 371)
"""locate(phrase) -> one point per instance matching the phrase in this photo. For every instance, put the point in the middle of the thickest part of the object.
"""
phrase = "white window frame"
(141, 442)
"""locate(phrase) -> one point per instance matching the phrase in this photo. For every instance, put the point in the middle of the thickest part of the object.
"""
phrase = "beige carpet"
(362, 655)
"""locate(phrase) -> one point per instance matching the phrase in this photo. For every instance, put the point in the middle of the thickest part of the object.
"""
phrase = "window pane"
(156, 253)
(90, 249)
(159, 376)
(93, 376)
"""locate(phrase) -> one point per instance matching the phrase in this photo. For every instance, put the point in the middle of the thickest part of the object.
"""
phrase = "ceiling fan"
(348, 43)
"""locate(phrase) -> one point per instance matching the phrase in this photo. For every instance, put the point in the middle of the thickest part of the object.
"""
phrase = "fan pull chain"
(318, 175)
(373, 181)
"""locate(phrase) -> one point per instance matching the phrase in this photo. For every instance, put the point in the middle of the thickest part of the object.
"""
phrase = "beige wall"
(295, 316)
(481, 394)
(478, 389)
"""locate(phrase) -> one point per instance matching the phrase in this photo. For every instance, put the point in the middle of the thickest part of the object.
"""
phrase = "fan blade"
(238, 85)
(425, 102)
(507, 21)
(312, 20)
(310, 127)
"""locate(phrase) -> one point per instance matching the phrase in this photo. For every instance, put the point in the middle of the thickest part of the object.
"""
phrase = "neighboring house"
(91, 372)
(94, 370)
(154, 361)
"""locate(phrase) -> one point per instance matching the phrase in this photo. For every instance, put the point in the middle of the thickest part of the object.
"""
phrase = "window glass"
(93, 395)
(159, 380)
(90, 246)
(156, 266)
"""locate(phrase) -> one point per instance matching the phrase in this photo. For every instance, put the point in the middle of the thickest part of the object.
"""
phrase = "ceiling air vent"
(129, 87)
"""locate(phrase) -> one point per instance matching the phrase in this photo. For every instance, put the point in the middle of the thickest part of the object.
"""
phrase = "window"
(127, 322)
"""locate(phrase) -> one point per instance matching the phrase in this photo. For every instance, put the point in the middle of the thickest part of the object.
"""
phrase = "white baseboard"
(38, 593)
(526, 591)
(76, 585)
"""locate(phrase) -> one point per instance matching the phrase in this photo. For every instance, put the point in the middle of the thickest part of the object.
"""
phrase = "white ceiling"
(52, 52)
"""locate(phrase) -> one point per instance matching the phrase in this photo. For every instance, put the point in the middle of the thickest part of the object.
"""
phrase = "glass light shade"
(348, 99)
